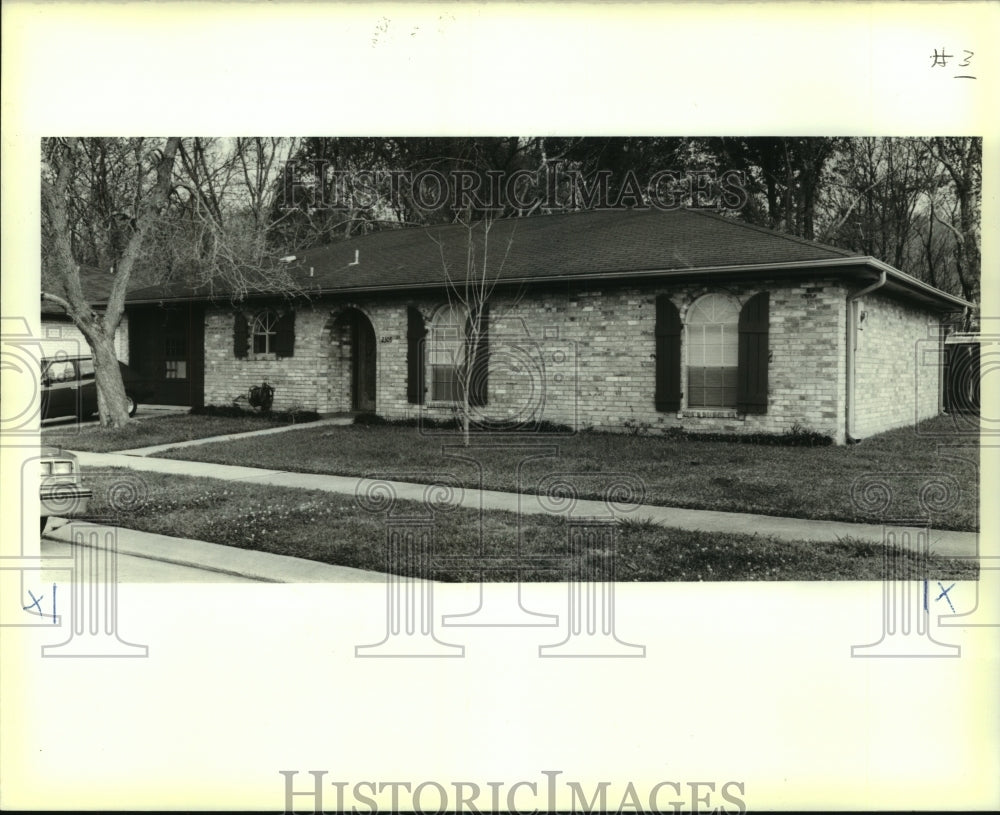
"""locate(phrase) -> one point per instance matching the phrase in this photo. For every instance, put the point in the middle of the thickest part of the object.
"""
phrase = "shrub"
(294, 416)
(370, 419)
(796, 437)
(456, 424)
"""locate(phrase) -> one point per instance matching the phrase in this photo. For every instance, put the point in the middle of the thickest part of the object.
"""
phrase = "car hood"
(50, 451)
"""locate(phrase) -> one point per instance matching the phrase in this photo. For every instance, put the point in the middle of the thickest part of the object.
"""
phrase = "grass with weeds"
(331, 528)
(160, 430)
(799, 482)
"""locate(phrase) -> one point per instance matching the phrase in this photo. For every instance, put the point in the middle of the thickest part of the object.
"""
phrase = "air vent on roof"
(357, 258)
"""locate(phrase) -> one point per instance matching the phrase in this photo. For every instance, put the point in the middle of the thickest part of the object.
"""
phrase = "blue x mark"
(35, 604)
(944, 594)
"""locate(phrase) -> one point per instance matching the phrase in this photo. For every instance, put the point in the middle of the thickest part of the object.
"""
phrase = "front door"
(363, 365)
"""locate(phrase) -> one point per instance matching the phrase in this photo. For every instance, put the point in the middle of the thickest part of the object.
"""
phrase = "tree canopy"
(912, 202)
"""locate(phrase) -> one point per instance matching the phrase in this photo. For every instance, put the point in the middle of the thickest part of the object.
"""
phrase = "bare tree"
(100, 199)
(891, 197)
(222, 233)
(962, 159)
(192, 212)
(470, 284)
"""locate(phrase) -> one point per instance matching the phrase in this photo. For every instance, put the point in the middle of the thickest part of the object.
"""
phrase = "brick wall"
(60, 335)
(607, 341)
(597, 346)
(896, 378)
(585, 358)
(299, 380)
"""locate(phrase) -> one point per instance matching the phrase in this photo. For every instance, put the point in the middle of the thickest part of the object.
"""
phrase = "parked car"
(69, 388)
(61, 490)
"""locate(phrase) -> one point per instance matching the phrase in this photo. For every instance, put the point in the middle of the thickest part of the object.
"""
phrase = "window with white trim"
(712, 352)
(446, 354)
(264, 330)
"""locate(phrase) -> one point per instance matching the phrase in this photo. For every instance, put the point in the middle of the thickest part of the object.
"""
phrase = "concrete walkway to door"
(160, 448)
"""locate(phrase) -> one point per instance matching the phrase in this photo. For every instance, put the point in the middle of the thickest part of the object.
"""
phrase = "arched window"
(713, 347)
(447, 354)
(265, 328)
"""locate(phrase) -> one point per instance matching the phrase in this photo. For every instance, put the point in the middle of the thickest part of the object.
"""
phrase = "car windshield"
(60, 371)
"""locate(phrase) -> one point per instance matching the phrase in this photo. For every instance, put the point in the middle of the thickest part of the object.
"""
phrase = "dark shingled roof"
(588, 244)
(584, 245)
(96, 285)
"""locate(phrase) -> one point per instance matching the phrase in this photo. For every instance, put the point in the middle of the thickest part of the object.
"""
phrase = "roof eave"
(918, 287)
(923, 290)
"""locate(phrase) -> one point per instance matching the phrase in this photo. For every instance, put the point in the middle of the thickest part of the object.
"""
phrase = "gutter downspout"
(852, 342)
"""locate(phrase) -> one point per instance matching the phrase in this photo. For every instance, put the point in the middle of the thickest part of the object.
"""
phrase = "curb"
(263, 567)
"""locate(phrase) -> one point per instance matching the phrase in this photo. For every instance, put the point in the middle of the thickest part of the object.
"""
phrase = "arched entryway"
(353, 373)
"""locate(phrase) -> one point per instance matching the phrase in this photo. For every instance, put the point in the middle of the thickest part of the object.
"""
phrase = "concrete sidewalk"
(229, 560)
(943, 542)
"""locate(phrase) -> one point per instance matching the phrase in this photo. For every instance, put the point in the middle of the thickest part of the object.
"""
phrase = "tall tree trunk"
(465, 417)
(99, 329)
(929, 249)
(961, 158)
(111, 400)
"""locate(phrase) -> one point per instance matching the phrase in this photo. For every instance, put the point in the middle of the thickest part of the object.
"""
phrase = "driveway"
(144, 412)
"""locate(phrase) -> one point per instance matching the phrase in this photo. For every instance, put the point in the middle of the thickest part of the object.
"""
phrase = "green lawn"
(805, 482)
(155, 430)
(331, 528)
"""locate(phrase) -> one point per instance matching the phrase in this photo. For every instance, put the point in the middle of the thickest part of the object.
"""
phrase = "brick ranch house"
(604, 319)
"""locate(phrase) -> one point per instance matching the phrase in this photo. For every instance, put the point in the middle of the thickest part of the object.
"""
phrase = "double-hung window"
(447, 354)
(713, 347)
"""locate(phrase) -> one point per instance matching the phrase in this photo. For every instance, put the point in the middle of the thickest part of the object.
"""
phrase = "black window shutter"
(284, 334)
(479, 381)
(751, 388)
(415, 333)
(668, 355)
(240, 338)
